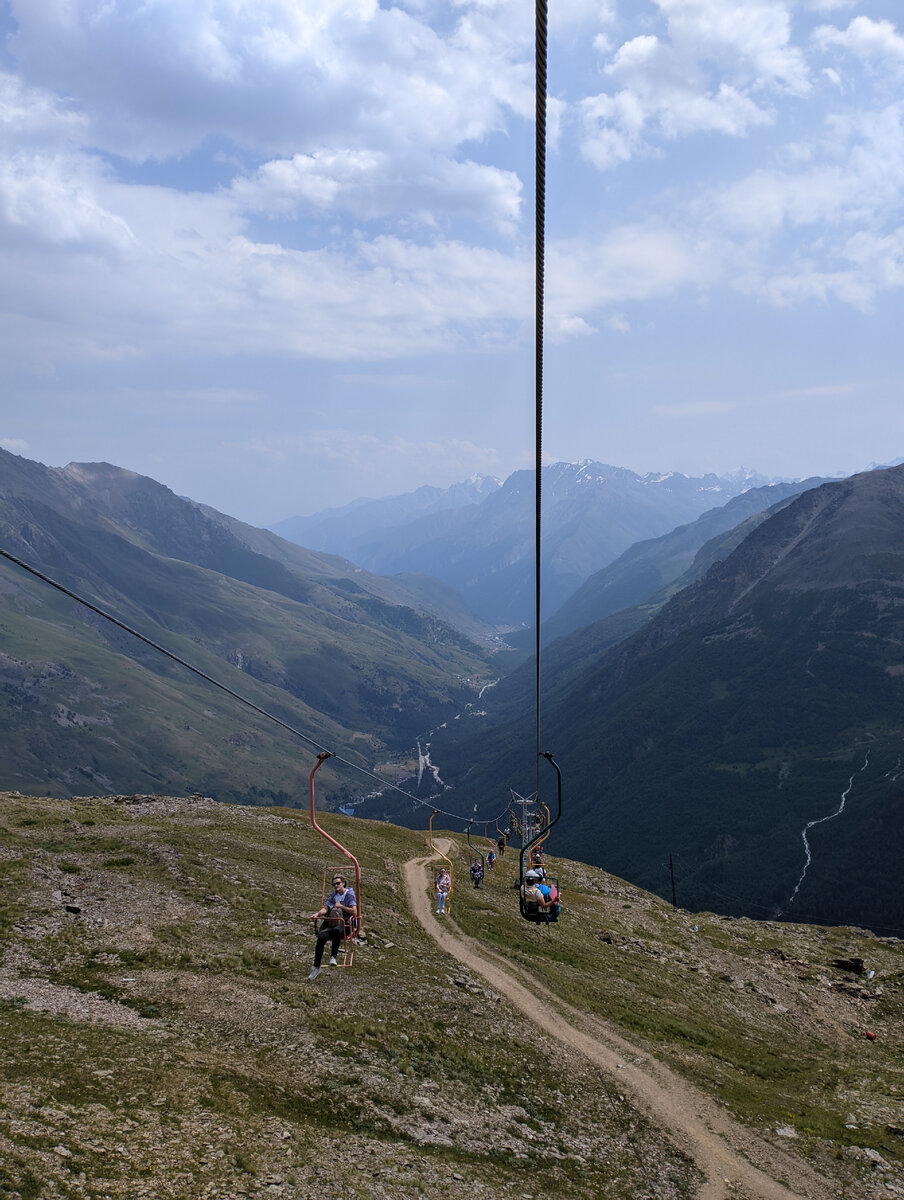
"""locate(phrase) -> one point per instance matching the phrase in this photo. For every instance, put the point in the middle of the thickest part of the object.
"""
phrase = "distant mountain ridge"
(349, 525)
(591, 513)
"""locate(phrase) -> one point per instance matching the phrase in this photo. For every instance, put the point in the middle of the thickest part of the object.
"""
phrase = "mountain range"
(346, 657)
(485, 548)
(752, 729)
(743, 720)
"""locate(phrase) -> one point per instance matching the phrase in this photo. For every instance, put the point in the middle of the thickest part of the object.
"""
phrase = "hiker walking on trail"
(443, 888)
(335, 917)
(476, 872)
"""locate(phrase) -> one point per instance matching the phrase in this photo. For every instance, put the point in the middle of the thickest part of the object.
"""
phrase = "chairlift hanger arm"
(321, 759)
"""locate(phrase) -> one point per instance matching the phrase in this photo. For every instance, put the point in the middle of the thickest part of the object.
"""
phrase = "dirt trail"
(704, 1131)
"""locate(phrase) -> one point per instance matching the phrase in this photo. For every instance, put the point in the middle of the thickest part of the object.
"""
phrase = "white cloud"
(566, 327)
(802, 229)
(286, 76)
(695, 408)
(750, 39)
(820, 391)
(632, 263)
(370, 185)
(54, 199)
(711, 74)
(14, 445)
(351, 450)
(35, 116)
(874, 42)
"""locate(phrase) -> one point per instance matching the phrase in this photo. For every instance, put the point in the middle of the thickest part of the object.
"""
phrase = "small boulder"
(849, 964)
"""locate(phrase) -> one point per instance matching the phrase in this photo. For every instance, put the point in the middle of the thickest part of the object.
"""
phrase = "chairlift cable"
(540, 47)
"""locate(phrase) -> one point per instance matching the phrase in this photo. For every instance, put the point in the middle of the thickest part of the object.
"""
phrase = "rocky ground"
(160, 1037)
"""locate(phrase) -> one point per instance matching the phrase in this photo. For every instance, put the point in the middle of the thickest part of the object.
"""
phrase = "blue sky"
(278, 254)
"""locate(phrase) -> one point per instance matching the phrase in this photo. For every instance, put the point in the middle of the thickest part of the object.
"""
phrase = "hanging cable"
(539, 272)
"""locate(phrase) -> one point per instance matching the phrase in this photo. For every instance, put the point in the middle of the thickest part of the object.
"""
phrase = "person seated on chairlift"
(476, 872)
(491, 859)
(536, 892)
(335, 916)
(443, 885)
(549, 890)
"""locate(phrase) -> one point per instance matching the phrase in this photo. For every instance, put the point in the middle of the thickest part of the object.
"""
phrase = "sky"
(278, 254)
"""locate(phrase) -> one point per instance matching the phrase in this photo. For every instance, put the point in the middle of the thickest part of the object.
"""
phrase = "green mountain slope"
(740, 713)
(337, 653)
(652, 566)
(161, 1036)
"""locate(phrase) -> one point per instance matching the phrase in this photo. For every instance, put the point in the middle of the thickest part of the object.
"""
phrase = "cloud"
(708, 75)
(34, 115)
(631, 263)
(695, 408)
(750, 39)
(371, 185)
(820, 391)
(821, 223)
(14, 445)
(55, 199)
(360, 140)
(566, 327)
(156, 80)
(350, 450)
(874, 42)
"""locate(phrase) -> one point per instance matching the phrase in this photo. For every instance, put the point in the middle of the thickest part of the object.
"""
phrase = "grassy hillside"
(161, 1037)
(346, 658)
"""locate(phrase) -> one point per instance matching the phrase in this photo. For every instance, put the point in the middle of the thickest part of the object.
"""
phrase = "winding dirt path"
(704, 1131)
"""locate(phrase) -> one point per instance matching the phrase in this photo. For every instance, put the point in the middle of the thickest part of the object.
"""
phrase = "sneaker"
(313, 975)
(333, 962)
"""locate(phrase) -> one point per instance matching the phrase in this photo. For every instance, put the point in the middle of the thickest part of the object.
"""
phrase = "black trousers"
(327, 933)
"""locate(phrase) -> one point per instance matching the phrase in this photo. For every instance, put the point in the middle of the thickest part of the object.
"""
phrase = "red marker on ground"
(870, 1035)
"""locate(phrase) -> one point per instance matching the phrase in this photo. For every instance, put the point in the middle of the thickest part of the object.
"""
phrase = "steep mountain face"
(731, 729)
(592, 513)
(648, 567)
(343, 656)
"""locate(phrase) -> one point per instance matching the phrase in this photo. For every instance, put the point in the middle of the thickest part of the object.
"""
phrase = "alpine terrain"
(161, 1037)
(752, 729)
(345, 657)
(591, 514)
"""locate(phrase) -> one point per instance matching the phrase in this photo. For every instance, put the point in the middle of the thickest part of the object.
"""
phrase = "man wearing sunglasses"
(335, 921)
